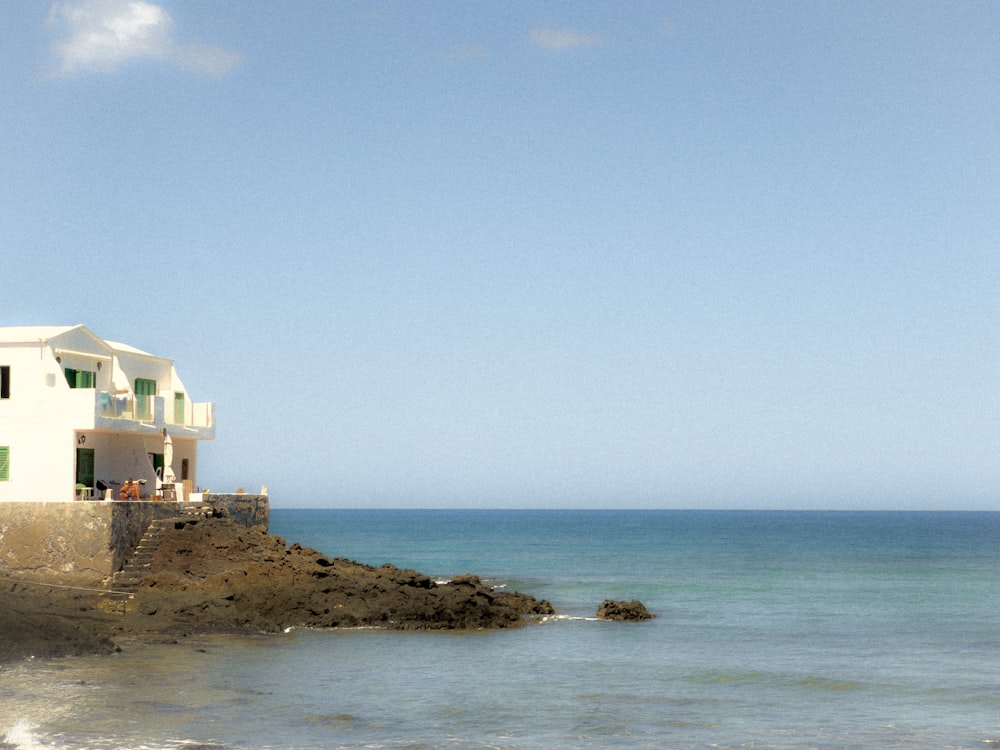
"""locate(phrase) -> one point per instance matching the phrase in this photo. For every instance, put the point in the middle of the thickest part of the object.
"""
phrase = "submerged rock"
(632, 611)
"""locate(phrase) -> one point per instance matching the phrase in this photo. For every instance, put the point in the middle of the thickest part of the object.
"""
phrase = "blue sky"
(452, 254)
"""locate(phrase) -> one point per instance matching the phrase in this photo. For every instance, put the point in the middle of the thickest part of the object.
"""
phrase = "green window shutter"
(4, 463)
(178, 408)
(145, 387)
(85, 466)
(80, 378)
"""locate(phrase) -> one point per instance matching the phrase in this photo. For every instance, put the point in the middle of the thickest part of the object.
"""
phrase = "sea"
(772, 630)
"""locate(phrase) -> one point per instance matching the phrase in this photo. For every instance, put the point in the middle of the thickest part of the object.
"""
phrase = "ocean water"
(774, 630)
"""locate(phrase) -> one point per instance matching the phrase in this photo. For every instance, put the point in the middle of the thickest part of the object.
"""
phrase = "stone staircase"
(128, 578)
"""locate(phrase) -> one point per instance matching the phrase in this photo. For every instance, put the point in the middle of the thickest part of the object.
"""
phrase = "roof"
(120, 347)
(31, 334)
(36, 334)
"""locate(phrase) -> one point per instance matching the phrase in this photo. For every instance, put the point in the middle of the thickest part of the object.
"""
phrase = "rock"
(632, 611)
(43, 621)
(213, 574)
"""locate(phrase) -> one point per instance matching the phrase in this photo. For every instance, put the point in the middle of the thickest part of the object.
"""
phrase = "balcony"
(120, 411)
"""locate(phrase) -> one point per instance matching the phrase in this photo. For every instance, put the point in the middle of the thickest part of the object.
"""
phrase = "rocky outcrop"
(632, 611)
(214, 574)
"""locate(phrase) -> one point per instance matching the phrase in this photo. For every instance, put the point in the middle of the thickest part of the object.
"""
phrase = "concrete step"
(137, 565)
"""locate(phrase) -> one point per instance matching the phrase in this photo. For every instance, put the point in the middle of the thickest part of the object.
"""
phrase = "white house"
(78, 414)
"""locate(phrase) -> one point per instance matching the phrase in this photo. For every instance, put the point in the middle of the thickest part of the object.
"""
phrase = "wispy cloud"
(99, 36)
(561, 40)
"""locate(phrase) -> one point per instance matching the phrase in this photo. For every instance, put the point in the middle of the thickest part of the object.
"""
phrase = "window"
(178, 408)
(4, 463)
(80, 378)
(4, 381)
(145, 389)
(85, 467)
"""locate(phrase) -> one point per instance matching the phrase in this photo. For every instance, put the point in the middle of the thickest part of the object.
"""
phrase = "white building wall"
(148, 367)
(44, 421)
(36, 422)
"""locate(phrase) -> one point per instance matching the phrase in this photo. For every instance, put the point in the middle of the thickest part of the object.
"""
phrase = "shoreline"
(214, 576)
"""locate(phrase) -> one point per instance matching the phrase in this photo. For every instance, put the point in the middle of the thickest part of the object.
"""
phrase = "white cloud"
(101, 35)
(560, 40)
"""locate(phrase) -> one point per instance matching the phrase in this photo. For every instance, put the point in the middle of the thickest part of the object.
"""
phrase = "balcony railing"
(150, 409)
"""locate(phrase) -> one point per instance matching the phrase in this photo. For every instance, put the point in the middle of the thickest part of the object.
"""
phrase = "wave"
(566, 618)
(21, 736)
(24, 735)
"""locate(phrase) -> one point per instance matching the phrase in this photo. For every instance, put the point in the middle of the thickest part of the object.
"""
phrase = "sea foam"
(22, 736)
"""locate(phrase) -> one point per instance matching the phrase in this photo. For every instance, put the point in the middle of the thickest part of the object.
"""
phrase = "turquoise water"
(774, 630)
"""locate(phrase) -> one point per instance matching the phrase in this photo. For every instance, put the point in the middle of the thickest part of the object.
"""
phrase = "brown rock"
(632, 611)
(215, 574)
(45, 621)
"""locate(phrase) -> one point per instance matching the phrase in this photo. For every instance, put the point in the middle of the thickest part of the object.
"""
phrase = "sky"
(561, 255)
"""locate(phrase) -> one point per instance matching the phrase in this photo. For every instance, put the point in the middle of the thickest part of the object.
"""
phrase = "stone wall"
(83, 543)
(65, 543)
(246, 510)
